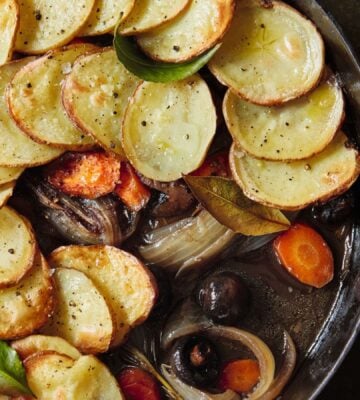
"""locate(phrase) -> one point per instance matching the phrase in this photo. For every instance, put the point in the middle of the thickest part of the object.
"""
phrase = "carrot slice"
(215, 165)
(89, 174)
(136, 384)
(305, 255)
(240, 376)
(133, 193)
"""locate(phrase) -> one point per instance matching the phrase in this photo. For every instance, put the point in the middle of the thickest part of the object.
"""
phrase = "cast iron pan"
(342, 323)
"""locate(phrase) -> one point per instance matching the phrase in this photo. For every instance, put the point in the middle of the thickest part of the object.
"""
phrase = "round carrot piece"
(240, 376)
(305, 255)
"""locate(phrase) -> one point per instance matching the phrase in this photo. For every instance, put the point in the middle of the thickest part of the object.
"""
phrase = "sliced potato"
(81, 315)
(105, 16)
(45, 25)
(54, 376)
(34, 99)
(9, 174)
(295, 130)
(16, 148)
(271, 54)
(96, 94)
(17, 247)
(295, 185)
(6, 191)
(40, 343)
(149, 14)
(192, 32)
(9, 17)
(27, 306)
(168, 128)
(127, 286)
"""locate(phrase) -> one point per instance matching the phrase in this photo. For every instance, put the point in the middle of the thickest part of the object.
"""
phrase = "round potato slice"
(34, 99)
(169, 127)
(26, 306)
(149, 14)
(9, 174)
(6, 191)
(293, 131)
(16, 148)
(126, 284)
(40, 343)
(17, 247)
(105, 16)
(9, 16)
(192, 32)
(95, 96)
(271, 53)
(81, 315)
(45, 25)
(295, 185)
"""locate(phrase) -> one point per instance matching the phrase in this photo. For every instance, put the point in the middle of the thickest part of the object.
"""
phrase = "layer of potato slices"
(149, 14)
(9, 17)
(127, 286)
(198, 28)
(295, 130)
(271, 53)
(9, 174)
(34, 99)
(40, 343)
(169, 127)
(26, 306)
(54, 376)
(95, 96)
(105, 15)
(6, 191)
(17, 247)
(46, 25)
(17, 149)
(295, 185)
(81, 315)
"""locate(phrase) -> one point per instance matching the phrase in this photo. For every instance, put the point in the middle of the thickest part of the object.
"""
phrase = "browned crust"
(12, 282)
(276, 101)
(322, 199)
(130, 32)
(13, 3)
(21, 123)
(227, 12)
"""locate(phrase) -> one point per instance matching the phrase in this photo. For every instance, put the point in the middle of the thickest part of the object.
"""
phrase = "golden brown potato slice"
(6, 191)
(53, 376)
(81, 315)
(127, 286)
(295, 130)
(9, 17)
(149, 14)
(169, 127)
(34, 99)
(271, 54)
(40, 343)
(105, 16)
(16, 148)
(295, 185)
(192, 32)
(26, 307)
(17, 247)
(46, 25)
(9, 174)
(96, 94)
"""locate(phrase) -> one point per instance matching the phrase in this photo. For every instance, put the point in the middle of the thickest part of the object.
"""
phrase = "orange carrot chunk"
(215, 165)
(305, 255)
(90, 174)
(240, 376)
(133, 193)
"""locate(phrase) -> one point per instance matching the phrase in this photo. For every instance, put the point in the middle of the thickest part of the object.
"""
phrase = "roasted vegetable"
(241, 376)
(8, 22)
(137, 384)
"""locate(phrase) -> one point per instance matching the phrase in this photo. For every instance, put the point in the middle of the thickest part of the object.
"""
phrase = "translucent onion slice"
(271, 54)
(190, 246)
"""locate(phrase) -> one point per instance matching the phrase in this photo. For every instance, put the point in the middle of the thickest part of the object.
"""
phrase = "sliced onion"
(260, 350)
(191, 393)
(285, 371)
(192, 245)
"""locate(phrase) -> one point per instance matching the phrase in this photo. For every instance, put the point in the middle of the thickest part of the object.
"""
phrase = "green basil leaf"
(149, 70)
(226, 202)
(12, 373)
